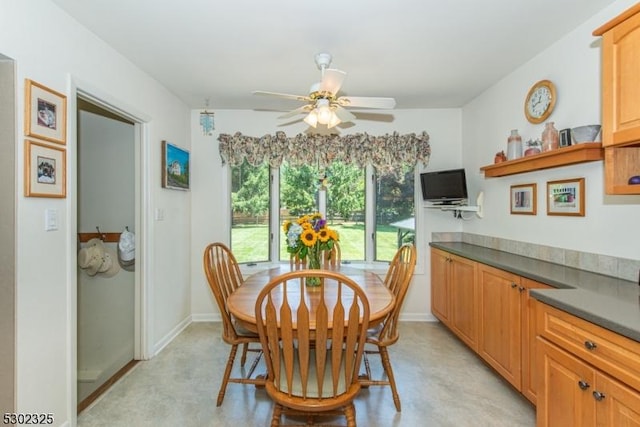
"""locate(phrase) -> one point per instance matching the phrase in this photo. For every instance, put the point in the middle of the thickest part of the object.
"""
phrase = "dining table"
(241, 303)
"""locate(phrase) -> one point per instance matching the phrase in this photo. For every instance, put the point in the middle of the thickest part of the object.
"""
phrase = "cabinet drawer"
(616, 355)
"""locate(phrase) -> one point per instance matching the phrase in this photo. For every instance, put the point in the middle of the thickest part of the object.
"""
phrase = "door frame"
(143, 313)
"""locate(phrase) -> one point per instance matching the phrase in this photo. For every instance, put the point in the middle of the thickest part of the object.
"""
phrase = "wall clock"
(540, 101)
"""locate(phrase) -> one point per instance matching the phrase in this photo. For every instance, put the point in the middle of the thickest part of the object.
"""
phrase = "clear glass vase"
(314, 264)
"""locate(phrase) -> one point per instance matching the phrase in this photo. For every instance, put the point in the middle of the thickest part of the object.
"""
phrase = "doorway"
(106, 207)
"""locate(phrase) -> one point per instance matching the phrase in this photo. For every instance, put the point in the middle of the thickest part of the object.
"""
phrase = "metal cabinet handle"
(598, 396)
(589, 345)
(521, 289)
(513, 285)
(583, 385)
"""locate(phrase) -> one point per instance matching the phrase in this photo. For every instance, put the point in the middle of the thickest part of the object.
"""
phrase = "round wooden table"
(242, 302)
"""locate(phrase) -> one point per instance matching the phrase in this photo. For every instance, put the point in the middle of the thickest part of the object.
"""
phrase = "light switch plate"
(50, 219)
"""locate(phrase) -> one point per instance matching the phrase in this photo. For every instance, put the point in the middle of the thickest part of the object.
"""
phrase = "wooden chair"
(397, 280)
(312, 353)
(333, 257)
(330, 259)
(224, 277)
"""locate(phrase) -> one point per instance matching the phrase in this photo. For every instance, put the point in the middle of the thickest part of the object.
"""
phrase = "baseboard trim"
(417, 317)
(206, 317)
(161, 344)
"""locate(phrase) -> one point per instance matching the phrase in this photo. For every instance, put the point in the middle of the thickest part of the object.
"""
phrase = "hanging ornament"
(206, 120)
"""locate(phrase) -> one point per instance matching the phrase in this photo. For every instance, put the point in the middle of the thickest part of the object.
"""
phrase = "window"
(250, 229)
(344, 189)
(296, 190)
(395, 211)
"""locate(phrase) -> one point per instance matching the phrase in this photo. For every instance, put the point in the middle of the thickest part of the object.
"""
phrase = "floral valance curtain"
(384, 152)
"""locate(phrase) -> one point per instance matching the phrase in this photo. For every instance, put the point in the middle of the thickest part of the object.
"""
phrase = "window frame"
(370, 216)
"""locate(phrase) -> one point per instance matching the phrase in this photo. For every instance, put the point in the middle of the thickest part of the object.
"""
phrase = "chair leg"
(227, 373)
(243, 359)
(386, 363)
(277, 413)
(350, 414)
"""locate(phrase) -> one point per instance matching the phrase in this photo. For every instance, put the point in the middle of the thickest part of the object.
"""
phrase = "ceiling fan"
(324, 106)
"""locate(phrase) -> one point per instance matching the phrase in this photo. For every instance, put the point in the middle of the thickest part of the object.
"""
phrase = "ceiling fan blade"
(343, 115)
(303, 109)
(366, 102)
(332, 80)
(282, 95)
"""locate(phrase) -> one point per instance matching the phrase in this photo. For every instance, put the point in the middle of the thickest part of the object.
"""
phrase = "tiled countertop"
(606, 301)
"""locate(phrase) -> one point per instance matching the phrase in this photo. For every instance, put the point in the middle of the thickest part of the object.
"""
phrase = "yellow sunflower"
(334, 234)
(309, 237)
(324, 235)
(285, 226)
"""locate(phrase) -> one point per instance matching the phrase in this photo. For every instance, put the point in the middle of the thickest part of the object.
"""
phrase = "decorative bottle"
(514, 145)
(549, 137)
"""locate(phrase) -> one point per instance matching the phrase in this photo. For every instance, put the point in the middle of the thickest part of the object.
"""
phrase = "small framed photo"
(175, 167)
(565, 197)
(45, 113)
(44, 170)
(524, 199)
(565, 137)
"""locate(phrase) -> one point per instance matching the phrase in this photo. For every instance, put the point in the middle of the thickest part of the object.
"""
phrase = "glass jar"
(550, 138)
(514, 145)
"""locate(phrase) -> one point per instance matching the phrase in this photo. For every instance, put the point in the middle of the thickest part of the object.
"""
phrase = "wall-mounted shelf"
(579, 153)
(458, 209)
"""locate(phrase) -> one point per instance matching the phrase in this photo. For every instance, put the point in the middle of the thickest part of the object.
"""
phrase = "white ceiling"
(424, 53)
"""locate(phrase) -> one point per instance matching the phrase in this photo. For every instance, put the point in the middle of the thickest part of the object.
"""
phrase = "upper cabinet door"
(621, 78)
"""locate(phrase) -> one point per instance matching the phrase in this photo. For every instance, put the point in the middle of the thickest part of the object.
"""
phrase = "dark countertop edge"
(570, 305)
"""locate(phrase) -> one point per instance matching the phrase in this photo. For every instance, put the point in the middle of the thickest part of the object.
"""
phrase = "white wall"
(51, 48)
(210, 218)
(573, 64)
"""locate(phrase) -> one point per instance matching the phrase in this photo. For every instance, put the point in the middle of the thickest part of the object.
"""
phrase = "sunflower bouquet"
(309, 236)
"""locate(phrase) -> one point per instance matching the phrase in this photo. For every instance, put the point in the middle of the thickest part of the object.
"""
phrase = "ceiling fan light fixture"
(335, 120)
(312, 119)
(325, 115)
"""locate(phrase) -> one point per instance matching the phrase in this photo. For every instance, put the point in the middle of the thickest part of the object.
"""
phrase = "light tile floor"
(441, 383)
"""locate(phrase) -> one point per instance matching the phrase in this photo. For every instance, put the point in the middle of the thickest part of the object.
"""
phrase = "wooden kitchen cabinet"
(454, 294)
(621, 100)
(564, 398)
(500, 333)
(589, 376)
(529, 368)
(440, 288)
(492, 312)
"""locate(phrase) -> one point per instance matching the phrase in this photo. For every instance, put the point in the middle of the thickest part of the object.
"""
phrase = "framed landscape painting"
(175, 167)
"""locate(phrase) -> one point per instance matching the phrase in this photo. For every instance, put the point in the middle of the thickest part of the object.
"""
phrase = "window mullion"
(274, 241)
(370, 213)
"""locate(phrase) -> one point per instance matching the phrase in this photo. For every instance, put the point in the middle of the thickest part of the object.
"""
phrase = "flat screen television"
(444, 187)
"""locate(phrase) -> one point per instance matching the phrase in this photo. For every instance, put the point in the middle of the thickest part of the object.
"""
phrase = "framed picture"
(45, 113)
(565, 197)
(44, 170)
(565, 137)
(175, 167)
(524, 199)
